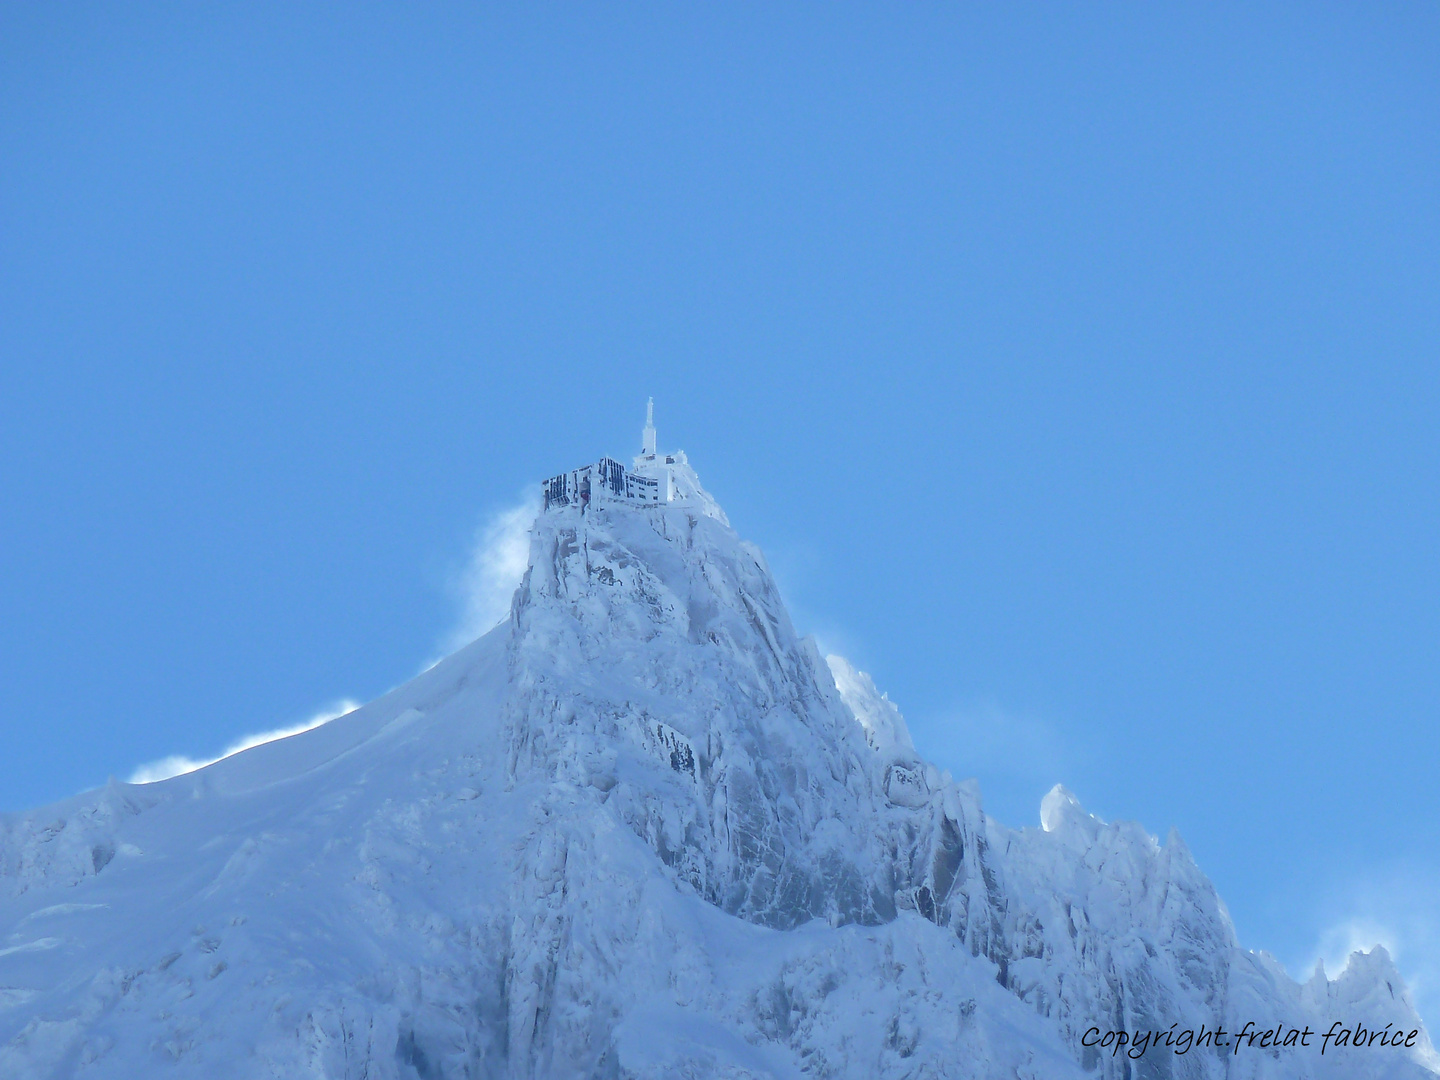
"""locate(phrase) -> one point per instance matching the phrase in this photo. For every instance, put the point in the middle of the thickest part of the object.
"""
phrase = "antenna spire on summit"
(648, 448)
(654, 479)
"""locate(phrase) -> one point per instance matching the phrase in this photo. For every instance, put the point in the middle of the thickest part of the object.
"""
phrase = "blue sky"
(1077, 371)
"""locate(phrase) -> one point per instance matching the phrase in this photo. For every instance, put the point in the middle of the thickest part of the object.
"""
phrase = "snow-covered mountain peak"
(1060, 811)
(659, 641)
(640, 829)
(885, 728)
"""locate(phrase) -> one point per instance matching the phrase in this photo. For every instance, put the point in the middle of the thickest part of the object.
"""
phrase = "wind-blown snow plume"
(1395, 909)
(176, 764)
(497, 563)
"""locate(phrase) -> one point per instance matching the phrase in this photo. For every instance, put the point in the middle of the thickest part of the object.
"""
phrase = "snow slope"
(641, 829)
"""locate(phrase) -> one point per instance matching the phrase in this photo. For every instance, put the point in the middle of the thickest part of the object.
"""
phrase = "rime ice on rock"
(640, 830)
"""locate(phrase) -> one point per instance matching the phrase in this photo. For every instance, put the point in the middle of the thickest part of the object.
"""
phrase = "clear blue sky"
(1078, 373)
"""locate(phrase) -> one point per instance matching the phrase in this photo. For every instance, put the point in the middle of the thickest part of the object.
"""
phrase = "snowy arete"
(639, 829)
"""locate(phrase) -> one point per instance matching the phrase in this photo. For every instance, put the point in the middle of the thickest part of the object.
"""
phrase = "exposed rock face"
(635, 649)
(640, 830)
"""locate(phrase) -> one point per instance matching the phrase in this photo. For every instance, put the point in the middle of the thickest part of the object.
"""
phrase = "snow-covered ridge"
(642, 829)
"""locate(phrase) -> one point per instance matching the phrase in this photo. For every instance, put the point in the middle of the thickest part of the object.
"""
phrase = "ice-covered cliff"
(641, 829)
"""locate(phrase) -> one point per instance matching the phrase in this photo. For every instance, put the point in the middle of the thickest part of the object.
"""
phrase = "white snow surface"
(640, 829)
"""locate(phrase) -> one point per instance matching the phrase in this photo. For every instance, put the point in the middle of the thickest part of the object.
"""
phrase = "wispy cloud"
(176, 764)
(497, 563)
(1005, 741)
